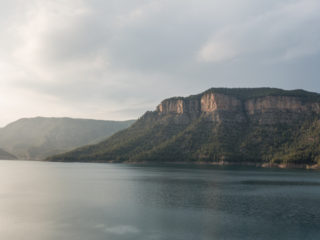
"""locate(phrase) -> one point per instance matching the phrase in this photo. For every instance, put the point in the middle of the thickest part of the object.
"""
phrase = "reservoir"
(75, 201)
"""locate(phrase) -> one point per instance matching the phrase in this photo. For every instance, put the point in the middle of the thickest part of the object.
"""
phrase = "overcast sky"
(108, 59)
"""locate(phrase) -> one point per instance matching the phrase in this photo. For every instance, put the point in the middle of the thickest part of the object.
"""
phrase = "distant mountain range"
(5, 155)
(258, 126)
(38, 138)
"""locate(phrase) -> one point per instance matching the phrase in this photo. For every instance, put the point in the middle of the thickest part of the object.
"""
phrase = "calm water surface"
(75, 201)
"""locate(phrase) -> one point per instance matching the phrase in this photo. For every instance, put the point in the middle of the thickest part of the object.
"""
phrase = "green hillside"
(37, 138)
(286, 133)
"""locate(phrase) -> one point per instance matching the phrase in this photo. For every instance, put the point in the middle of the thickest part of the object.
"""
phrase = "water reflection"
(41, 201)
(222, 199)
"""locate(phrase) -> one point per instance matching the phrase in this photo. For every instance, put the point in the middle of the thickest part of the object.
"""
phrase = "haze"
(117, 59)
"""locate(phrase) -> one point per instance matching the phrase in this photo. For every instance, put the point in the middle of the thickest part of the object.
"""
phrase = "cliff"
(260, 126)
(221, 107)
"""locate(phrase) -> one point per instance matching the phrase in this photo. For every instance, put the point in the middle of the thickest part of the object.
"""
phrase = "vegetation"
(249, 93)
(38, 138)
(163, 138)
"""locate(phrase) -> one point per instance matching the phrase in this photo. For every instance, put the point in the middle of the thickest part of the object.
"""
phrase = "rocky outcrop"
(275, 103)
(171, 106)
(211, 102)
(221, 107)
(279, 109)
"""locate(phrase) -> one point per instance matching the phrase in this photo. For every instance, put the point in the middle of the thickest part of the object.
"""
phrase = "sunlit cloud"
(117, 59)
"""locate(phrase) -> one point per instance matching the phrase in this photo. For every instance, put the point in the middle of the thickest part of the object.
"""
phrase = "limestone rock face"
(274, 103)
(181, 110)
(282, 109)
(221, 107)
(211, 102)
(171, 106)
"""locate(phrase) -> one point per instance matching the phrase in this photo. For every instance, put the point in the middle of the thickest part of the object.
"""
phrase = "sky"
(116, 59)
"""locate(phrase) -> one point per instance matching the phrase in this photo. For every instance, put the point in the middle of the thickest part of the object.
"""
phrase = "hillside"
(5, 155)
(261, 126)
(38, 138)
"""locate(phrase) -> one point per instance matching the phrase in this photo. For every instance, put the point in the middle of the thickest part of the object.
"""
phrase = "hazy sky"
(116, 59)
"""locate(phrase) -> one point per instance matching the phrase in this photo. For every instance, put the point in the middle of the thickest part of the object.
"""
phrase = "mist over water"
(44, 201)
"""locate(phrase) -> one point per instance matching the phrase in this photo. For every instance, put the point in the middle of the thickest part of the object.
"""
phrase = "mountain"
(259, 126)
(38, 138)
(5, 155)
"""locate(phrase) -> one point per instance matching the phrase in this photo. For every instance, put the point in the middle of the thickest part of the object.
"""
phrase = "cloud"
(286, 32)
(112, 59)
(216, 51)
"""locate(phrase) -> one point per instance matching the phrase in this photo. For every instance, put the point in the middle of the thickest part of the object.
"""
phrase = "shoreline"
(203, 163)
(249, 164)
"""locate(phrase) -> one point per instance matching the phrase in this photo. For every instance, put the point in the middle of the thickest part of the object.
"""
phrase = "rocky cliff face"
(209, 102)
(282, 109)
(221, 107)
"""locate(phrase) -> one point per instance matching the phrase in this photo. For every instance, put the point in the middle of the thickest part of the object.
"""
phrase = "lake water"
(75, 201)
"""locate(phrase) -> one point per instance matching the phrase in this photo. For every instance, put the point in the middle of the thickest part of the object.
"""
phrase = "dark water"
(41, 201)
